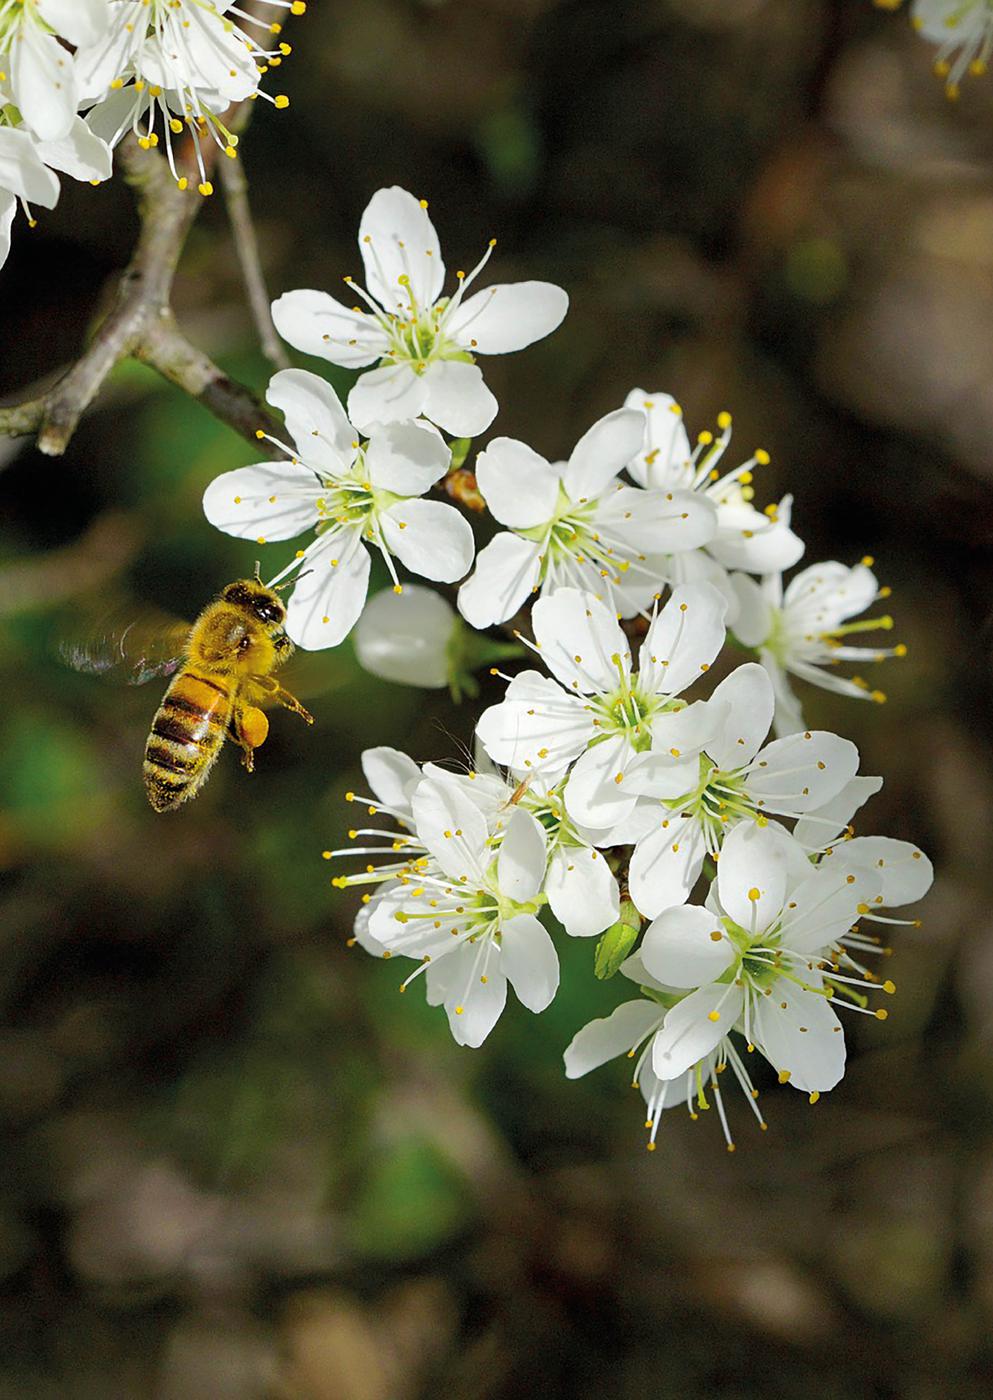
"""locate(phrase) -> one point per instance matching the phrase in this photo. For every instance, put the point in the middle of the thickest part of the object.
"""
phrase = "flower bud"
(617, 942)
(407, 637)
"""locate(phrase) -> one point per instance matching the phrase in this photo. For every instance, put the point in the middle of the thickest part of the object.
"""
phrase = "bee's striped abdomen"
(187, 734)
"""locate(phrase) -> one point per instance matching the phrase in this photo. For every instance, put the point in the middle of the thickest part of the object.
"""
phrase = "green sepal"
(615, 945)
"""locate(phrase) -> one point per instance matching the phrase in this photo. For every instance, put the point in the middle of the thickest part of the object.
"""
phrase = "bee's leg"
(249, 728)
(282, 697)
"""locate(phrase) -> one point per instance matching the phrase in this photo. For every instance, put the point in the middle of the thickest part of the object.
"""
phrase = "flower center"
(351, 500)
(629, 710)
(720, 797)
(419, 339)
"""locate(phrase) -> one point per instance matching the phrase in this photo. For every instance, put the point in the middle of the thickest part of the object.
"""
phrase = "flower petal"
(398, 241)
(507, 317)
(753, 621)
(582, 891)
(658, 522)
(800, 1035)
(407, 458)
(819, 828)
(686, 947)
(602, 452)
(473, 999)
(519, 486)
(613, 1035)
(315, 323)
(579, 641)
(507, 571)
(453, 829)
(79, 153)
(683, 639)
(529, 961)
(802, 772)
(404, 637)
(431, 538)
(326, 603)
(751, 874)
(664, 459)
(595, 795)
(43, 83)
(8, 208)
(268, 501)
(689, 1031)
(457, 399)
(747, 692)
(537, 727)
(824, 906)
(392, 776)
(79, 21)
(521, 859)
(22, 172)
(666, 864)
(678, 734)
(390, 394)
(747, 539)
(904, 870)
(314, 417)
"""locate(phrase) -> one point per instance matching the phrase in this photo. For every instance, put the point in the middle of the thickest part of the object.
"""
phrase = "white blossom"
(352, 493)
(166, 68)
(577, 524)
(804, 630)
(407, 637)
(744, 538)
(740, 778)
(27, 168)
(765, 958)
(963, 31)
(619, 728)
(468, 913)
(424, 344)
(580, 886)
(631, 1030)
(39, 68)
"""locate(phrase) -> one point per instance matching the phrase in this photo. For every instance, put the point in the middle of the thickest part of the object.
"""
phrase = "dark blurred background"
(236, 1163)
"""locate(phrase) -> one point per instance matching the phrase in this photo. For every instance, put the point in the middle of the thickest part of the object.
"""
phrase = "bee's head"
(257, 600)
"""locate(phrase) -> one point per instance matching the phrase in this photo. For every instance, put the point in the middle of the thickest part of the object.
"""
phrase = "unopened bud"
(617, 942)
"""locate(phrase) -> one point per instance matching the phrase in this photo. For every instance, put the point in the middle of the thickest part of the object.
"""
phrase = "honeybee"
(222, 677)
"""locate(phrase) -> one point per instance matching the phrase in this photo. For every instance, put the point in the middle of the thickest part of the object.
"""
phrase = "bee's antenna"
(288, 583)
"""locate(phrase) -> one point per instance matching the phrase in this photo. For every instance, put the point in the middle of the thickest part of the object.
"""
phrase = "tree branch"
(247, 247)
(141, 322)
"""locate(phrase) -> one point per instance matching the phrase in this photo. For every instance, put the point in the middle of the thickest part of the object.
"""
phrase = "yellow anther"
(705, 438)
(713, 1015)
(205, 188)
(761, 456)
(754, 894)
(784, 1076)
(281, 101)
(889, 987)
(724, 421)
(814, 1096)
(881, 1013)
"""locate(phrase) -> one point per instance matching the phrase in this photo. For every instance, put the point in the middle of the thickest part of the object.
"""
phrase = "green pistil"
(352, 500)
(418, 339)
(718, 798)
(629, 711)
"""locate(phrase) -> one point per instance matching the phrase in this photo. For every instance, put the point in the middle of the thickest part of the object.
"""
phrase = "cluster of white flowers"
(609, 790)
(962, 31)
(78, 75)
(607, 793)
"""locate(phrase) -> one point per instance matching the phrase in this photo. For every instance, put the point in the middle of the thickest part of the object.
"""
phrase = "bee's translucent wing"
(130, 646)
